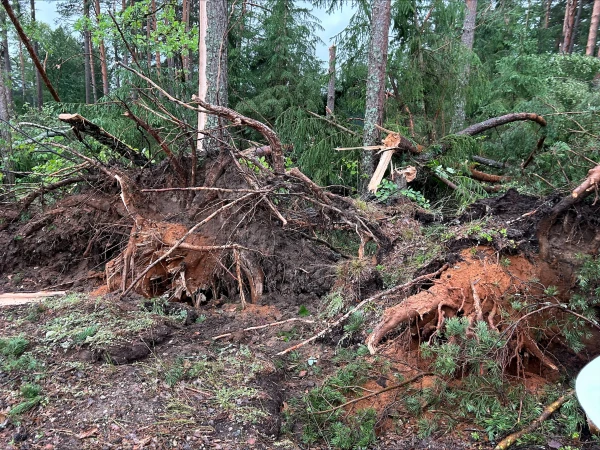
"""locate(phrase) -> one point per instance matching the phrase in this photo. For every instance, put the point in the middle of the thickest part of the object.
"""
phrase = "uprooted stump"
(481, 288)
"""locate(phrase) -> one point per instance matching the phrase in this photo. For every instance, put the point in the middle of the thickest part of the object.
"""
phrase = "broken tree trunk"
(81, 125)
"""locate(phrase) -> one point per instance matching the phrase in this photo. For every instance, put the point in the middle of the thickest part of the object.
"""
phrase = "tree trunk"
(25, 40)
(378, 50)
(547, 16)
(331, 88)
(591, 42)
(103, 64)
(38, 82)
(6, 56)
(202, 81)
(86, 55)
(92, 68)
(185, 57)
(576, 27)
(467, 38)
(5, 114)
(216, 67)
(568, 25)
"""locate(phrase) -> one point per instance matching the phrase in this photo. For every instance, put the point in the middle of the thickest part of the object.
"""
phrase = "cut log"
(81, 125)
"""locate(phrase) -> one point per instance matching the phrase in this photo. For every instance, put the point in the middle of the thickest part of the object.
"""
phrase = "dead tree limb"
(390, 291)
(81, 125)
(165, 148)
(502, 120)
(538, 147)
(548, 411)
(488, 177)
(29, 47)
(274, 324)
(489, 162)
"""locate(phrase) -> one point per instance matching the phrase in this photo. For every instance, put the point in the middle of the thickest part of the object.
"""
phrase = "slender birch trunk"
(547, 15)
(378, 52)
(331, 87)
(202, 82)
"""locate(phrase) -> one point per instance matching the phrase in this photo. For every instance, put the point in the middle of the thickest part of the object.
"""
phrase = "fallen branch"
(295, 319)
(489, 162)
(80, 125)
(538, 147)
(482, 176)
(363, 303)
(548, 411)
(365, 397)
(502, 120)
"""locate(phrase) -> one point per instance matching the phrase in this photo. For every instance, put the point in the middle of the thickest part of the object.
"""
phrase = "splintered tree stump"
(478, 288)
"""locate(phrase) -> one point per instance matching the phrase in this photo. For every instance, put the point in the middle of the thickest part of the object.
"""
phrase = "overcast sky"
(332, 23)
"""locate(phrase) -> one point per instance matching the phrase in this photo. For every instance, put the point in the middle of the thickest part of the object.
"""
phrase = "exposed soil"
(169, 384)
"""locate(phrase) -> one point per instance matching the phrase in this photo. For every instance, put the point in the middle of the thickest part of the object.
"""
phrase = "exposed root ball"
(479, 288)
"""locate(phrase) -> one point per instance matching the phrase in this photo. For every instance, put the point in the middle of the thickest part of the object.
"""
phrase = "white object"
(587, 388)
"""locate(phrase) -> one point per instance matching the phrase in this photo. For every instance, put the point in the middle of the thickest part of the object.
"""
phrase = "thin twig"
(295, 319)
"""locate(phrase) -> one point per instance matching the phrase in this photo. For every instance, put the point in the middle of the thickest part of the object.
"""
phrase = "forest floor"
(91, 370)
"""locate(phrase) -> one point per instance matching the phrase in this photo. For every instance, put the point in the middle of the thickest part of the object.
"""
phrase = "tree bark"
(30, 49)
(86, 55)
(103, 64)
(547, 16)
(216, 68)
(202, 79)
(591, 42)
(576, 27)
(81, 125)
(331, 87)
(6, 57)
(185, 57)
(5, 131)
(38, 82)
(467, 38)
(92, 67)
(378, 52)
(568, 25)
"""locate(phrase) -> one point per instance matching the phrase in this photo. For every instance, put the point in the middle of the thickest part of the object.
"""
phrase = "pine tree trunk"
(331, 86)
(378, 52)
(86, 55)
(576, 27)
(216, 67)
(547, 16)
(103, 64)
(38, 81)
(467, 39)
(568, 25)
(154, 28)
(591, 42)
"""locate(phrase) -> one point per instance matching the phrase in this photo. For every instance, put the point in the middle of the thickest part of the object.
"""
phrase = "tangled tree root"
(477, 288)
